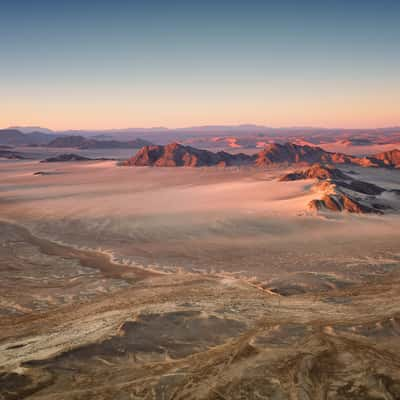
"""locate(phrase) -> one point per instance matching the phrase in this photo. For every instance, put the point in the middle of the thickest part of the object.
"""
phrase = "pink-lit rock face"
(292, 153)
(390, 158)
(316, 171)
(340, 192)
(341, 202)
(178, 155)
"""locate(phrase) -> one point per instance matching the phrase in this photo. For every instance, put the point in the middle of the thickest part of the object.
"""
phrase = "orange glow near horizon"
(172, 115)
(73, 65)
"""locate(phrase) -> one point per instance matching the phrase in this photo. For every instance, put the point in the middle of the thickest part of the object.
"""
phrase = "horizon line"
(241, 125)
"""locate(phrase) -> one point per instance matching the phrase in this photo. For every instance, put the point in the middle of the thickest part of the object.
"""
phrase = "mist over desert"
(207, 219)
(200, 200)
(194, 281)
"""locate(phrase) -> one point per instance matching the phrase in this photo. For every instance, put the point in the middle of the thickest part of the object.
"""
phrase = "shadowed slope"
(315, 171)
(340, 192)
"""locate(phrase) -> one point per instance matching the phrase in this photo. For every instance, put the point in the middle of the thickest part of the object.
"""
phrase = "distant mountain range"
(178, 154)
(245, 136)
(15, 137)
(214, 138)
(30, 129)
(81, 142)
(246, 129)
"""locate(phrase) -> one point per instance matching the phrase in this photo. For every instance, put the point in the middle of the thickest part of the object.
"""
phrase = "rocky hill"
(177, 155)
(341, 202)
(389, 158)
(316, 171)
(291, 153)
(339, 191)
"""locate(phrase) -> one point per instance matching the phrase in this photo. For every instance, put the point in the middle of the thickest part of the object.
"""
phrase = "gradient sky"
(102, 64)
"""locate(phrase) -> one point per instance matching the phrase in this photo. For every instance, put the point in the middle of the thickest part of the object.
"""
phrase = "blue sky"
(93, 64)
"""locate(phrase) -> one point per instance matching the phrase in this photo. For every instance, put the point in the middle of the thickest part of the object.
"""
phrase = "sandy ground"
(112, 279)
(230, 220)
(40, 153)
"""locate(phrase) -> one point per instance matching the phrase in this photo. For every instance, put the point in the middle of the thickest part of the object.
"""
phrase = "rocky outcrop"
(291, 153)
(352, 196)
(339, 192)
(389, 158)
(276, 153)
(360, 187)
(342, 202)
(65, 158)
(316, 171)
(177, 155)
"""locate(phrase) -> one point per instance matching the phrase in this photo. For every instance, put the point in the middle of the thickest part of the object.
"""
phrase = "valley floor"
(141, 283)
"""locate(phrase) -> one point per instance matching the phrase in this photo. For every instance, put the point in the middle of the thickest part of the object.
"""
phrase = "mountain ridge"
(178, 155)
(81, 142)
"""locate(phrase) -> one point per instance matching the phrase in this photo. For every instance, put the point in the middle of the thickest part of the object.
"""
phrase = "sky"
(115, 64)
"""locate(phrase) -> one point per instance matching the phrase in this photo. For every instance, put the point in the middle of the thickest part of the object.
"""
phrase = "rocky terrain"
(178, 155)
(276, 146)
(292, 153)
(316, 171)
(390, 158)
(77, 327)
(228, 138)
(196, 283)
(341, 192)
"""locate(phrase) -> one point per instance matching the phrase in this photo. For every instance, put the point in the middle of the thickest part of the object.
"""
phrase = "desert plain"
(193, 283)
